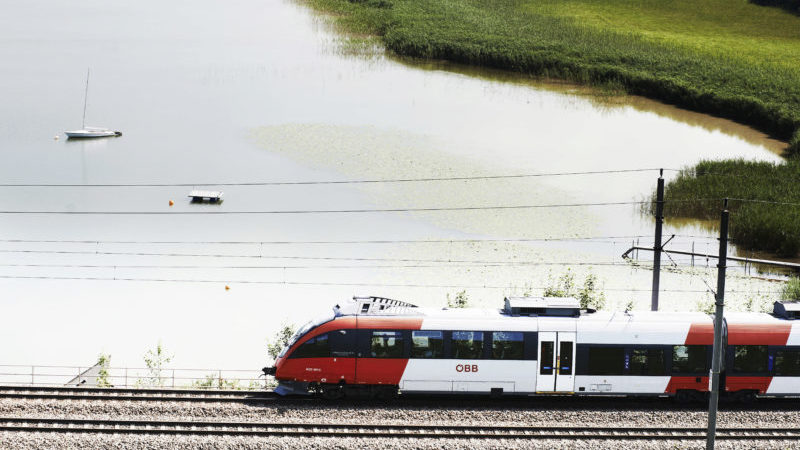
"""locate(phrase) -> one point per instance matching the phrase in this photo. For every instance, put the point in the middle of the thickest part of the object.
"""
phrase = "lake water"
(244, 91)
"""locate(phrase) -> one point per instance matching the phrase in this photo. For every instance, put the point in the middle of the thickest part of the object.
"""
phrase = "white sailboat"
(89, 132)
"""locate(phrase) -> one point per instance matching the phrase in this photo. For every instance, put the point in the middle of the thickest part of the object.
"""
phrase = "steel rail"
(132, 394)
(113, 426)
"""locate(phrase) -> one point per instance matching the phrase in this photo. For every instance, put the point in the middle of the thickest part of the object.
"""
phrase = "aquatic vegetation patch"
(732, 59)
(771, 223)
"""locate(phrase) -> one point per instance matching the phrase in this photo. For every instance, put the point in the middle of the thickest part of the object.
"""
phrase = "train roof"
(541, 309)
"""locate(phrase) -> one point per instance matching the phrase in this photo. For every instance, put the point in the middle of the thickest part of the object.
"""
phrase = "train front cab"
(347, 355)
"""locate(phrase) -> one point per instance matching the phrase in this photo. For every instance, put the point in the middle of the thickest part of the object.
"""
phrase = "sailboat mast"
(85, 100)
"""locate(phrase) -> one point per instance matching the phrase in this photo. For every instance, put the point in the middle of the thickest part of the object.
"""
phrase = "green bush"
(791, 290)
(280, 340)
(794, 145)
(460, 300)
(588, 295)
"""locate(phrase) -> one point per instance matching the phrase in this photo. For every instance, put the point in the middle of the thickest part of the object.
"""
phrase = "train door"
(556, 362)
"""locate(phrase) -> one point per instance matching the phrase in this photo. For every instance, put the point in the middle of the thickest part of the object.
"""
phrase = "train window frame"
(650, 369)
(547, 353)
(700, 371)
(592, 370)
(531, 348)
(738, 367)
(434, 354)
(778, 371)
(312, 349)
(479, 350)
(343, 343)
(398, 347)
(517, 353)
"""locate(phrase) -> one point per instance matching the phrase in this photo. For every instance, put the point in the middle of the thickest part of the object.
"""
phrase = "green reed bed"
(753, 225)
(729, 58)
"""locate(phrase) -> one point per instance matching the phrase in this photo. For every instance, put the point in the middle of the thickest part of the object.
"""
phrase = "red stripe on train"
(700, 334)
(760, 384)
(692, 383)
(759, 334)
(738, 334)
(741, 334)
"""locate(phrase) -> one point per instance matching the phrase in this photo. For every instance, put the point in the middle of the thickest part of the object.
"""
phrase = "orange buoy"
(227, 288)
(171, 203)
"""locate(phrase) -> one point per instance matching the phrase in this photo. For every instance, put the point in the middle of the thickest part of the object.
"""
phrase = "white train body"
(538, 346)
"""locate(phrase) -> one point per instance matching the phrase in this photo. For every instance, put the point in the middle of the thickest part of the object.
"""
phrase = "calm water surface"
(249, 90)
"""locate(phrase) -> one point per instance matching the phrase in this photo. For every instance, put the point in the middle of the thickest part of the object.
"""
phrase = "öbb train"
(381, 347)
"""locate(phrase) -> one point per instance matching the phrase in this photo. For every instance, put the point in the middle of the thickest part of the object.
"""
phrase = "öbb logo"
(467, 368)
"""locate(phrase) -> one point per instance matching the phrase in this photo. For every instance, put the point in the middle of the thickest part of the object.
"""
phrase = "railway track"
(130, 394)
(88, 426)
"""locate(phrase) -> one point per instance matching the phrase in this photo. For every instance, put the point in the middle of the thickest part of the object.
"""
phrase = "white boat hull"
(88, 133)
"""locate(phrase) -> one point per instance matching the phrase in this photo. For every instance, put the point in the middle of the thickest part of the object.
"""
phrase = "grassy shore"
(771, 224)
(729, 58)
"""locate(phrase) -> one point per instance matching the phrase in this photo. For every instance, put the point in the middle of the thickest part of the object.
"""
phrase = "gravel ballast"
(619, 413)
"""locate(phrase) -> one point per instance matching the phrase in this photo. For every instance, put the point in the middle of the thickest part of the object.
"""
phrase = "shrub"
(155, 359)
(460, 300)
(791, 290)
(103, 360)
(280, 340)
(588, 295)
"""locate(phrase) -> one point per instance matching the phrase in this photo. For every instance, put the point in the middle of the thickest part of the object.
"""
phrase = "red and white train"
(378, 346)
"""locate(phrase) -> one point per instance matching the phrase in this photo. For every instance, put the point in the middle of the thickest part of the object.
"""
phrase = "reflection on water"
(370, 49)
(209, 92)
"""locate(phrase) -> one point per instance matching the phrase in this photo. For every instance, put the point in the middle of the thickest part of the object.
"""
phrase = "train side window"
(316, 347)
(606, 361)
(427, 344)
(343, 343)
(750, 358)
(787, 362)
(647, 362)
(386, 344)
(689, 359)
(467, 344)
(546, 358)
(507, 345)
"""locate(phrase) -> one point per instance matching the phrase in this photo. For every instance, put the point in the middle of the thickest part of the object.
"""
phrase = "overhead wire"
(771, 202)
(362, 266)
(346, 211)
(259, 256)
(340, 284)
(327, 182)
(312, 242)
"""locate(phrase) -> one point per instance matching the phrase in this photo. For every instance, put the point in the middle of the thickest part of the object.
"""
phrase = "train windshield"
(305, 329)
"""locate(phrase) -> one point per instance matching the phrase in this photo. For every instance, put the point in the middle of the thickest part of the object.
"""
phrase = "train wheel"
(332, 392)
(685, 396)
(386, 393)
(747, 397)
